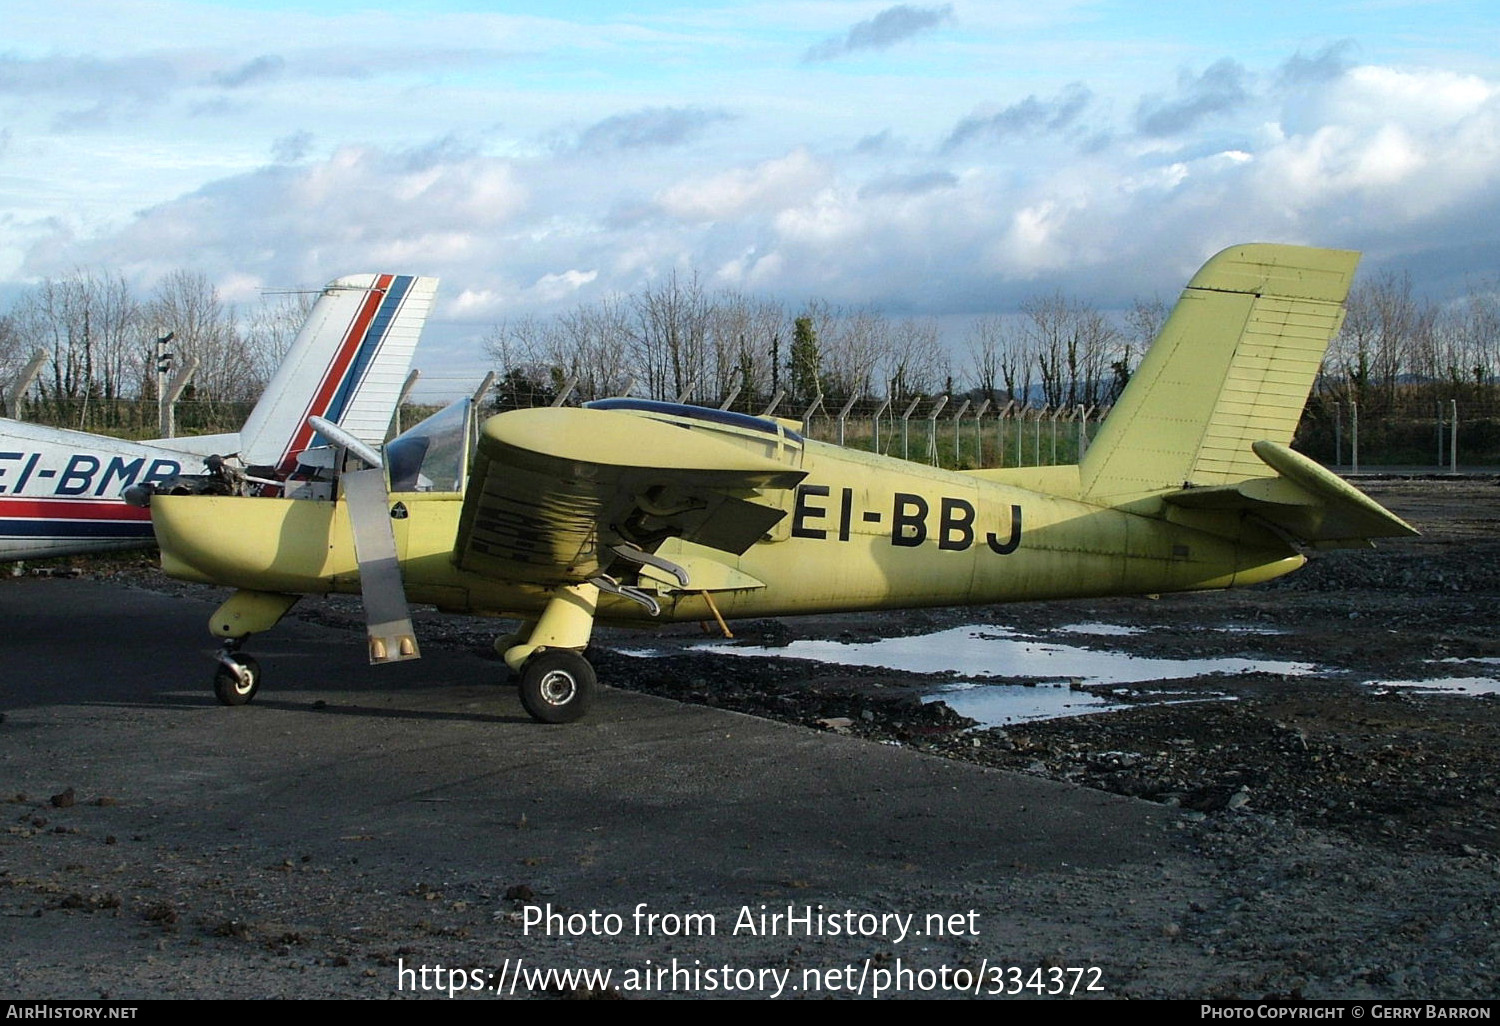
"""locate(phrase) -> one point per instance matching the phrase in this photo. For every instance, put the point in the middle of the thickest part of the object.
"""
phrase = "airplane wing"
(555, 490)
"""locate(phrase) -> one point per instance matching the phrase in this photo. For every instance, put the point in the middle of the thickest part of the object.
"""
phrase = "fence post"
(932, 455)
(1453, 442)
(1353, 437)
(957, 430)
(770, 409)
(1441, 422)
(565, 391)
(905, 420)
(1338, 434)
(812, 408)
(23, 382)
(1000, 429)
(979, 433)
(478, 396)
(175, 387)
(844, 415)
(394, 427)
(734, 393)
(875, 423)
(164, 417)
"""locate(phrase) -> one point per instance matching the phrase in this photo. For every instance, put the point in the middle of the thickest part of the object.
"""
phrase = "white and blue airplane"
(60, 490)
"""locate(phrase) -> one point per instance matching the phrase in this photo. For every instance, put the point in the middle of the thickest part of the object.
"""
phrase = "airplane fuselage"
(60, 490)
(861, 531)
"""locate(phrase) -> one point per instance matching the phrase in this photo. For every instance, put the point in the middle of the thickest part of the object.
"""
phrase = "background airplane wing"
(555, 490)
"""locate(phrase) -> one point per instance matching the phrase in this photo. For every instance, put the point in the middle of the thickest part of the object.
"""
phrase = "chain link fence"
(961, 434)
(1434, 434)
(133, 418)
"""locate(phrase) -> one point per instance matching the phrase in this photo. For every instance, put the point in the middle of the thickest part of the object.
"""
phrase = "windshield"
(434, 455)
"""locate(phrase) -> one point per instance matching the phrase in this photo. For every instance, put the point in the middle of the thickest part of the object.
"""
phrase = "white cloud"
(769, 186)
(534, 163)
(550, 288)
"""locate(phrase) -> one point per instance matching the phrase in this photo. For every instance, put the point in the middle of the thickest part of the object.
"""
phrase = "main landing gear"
(557, 683)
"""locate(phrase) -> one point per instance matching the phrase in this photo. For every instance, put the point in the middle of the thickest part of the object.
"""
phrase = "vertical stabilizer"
(1233, 366)
(347, 365)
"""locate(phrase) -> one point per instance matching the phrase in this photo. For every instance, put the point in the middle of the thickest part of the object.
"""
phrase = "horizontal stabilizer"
(1311, 504)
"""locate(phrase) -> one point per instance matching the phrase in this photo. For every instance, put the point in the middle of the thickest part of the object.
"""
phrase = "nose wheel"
(557, 685)
(237, 677)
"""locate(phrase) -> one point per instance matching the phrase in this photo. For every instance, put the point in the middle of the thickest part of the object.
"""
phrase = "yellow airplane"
(625, 510)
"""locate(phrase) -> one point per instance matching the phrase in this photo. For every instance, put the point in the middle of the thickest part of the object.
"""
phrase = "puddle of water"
(1118, 630)
(1101, 630)
(990, 651)
(996, 705)
(1001, 705)
(1443, 685)
(1001, 652)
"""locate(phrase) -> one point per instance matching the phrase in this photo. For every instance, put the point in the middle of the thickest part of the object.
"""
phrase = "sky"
(944, 160)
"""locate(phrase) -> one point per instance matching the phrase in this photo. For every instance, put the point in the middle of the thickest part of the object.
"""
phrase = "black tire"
(558, 686)
(229, 688)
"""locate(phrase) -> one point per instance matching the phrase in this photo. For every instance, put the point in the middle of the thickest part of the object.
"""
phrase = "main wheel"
(237, 689)
(557, 686)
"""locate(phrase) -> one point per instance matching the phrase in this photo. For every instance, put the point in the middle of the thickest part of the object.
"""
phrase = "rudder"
(1232, 366)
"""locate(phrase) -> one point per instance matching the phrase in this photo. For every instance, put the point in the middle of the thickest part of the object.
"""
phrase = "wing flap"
(704, 574)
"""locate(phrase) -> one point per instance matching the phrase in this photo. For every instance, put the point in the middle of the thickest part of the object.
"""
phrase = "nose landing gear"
(237, 677)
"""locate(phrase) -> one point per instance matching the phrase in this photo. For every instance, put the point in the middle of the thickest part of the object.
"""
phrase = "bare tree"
(985, 344)
(271, 329)
(1385, 327)
(90, 324)
(1143, 322)
(744, 331)
(1073, 344)
(187, 304)
(854, 344)
(916, 363)
(669, 335)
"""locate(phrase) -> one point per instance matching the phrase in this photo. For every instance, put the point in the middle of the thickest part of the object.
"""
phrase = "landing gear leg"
(557, 683)
(520, 636)
(237, 677)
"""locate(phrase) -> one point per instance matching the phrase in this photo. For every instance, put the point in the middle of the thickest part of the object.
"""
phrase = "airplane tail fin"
(1232, 366)
(1204, 424)
(347, 365)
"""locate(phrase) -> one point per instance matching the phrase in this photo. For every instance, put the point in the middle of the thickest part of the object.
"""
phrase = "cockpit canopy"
(433, 456)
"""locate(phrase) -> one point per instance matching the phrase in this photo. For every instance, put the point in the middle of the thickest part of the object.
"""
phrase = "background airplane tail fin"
(1232, 366)
(347, 365)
